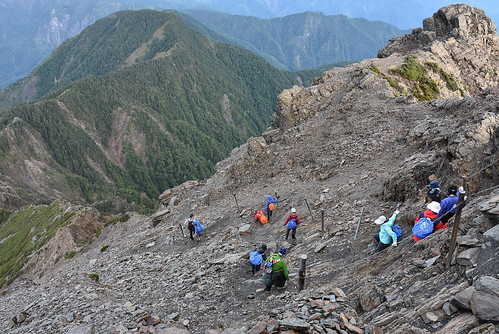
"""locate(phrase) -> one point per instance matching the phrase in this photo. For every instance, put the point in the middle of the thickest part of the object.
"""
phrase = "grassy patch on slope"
(425, 88)
(26, 231)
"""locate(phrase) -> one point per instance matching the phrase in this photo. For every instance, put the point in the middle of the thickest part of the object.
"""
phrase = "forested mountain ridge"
(157, 104)
(302, 41)
(31, 30)
(100, 49)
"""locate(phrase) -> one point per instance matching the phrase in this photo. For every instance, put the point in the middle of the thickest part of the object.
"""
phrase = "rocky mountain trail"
(344, 146)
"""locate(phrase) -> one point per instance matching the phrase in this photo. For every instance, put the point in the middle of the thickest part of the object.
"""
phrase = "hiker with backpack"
(256, 258)
(198, 228)
(430, 213)
(386, 235)
(448, 206)
(270, 205)
(190, 225)
(434, 193)
(194, 226)
(276, 271)
(292, 221)
(260, 217)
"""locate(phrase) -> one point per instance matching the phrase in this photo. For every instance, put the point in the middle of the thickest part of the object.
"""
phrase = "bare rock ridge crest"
(363, 137)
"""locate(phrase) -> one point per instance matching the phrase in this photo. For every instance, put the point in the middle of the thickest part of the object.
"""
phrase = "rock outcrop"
(461, 39)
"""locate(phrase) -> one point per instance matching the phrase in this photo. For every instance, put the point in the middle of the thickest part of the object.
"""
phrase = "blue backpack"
(255, 258)
(423, 228)
(398, 230)
(292, 224)
(198, 227)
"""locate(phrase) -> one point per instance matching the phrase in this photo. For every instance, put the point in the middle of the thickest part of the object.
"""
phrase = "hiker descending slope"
(434, 193)
(270, 205)
(430, 213)
(190, 225)
(448, 206)
(426, 226)
(260, 217)
(386, 235)
(276, 271)
(198, 228)
(194, 226)
(256, 258)
(292, 221)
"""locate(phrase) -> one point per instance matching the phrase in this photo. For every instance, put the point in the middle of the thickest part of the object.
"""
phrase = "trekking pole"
(455, 229)
(301, 272)
(181, 230)
(358, 223)
(277, 203)
(235, 198)
(308, 206)
(322, 220)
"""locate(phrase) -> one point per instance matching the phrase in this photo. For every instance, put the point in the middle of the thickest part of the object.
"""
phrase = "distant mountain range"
(31, 30)
(404, 14)
(302, 41)
(135, 104)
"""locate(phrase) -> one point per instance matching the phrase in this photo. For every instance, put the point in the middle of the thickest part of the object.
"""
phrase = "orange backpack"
(271, 206)
(259, 216)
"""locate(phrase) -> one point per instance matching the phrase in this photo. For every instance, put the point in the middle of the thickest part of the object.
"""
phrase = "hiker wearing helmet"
(292, 221)
(256, 258)
(430, 213)
(269, 205)
(276, 271)
(386, 235)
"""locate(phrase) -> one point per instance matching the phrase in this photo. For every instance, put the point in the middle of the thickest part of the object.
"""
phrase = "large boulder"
(485, 300)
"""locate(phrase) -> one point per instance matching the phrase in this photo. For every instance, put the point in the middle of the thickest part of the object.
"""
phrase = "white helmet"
(293, 210)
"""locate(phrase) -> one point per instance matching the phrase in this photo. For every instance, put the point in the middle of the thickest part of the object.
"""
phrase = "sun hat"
(380, 220)
(434, 206)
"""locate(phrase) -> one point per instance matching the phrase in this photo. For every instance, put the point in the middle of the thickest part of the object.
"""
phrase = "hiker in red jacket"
(292, 221)
(430, 213)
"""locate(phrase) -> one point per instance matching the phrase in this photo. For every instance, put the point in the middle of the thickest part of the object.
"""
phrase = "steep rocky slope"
(344, 146)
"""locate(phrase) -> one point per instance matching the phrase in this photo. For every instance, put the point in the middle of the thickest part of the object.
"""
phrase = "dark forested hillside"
(302, 41)
(135, 104)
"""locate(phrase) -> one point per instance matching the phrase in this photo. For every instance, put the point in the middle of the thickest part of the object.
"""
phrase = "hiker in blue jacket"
(386, 235)
(269, 206)
(448, 205)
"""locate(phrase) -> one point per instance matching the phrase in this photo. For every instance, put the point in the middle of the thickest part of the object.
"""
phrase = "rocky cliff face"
(461, 39)
(341, 147)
